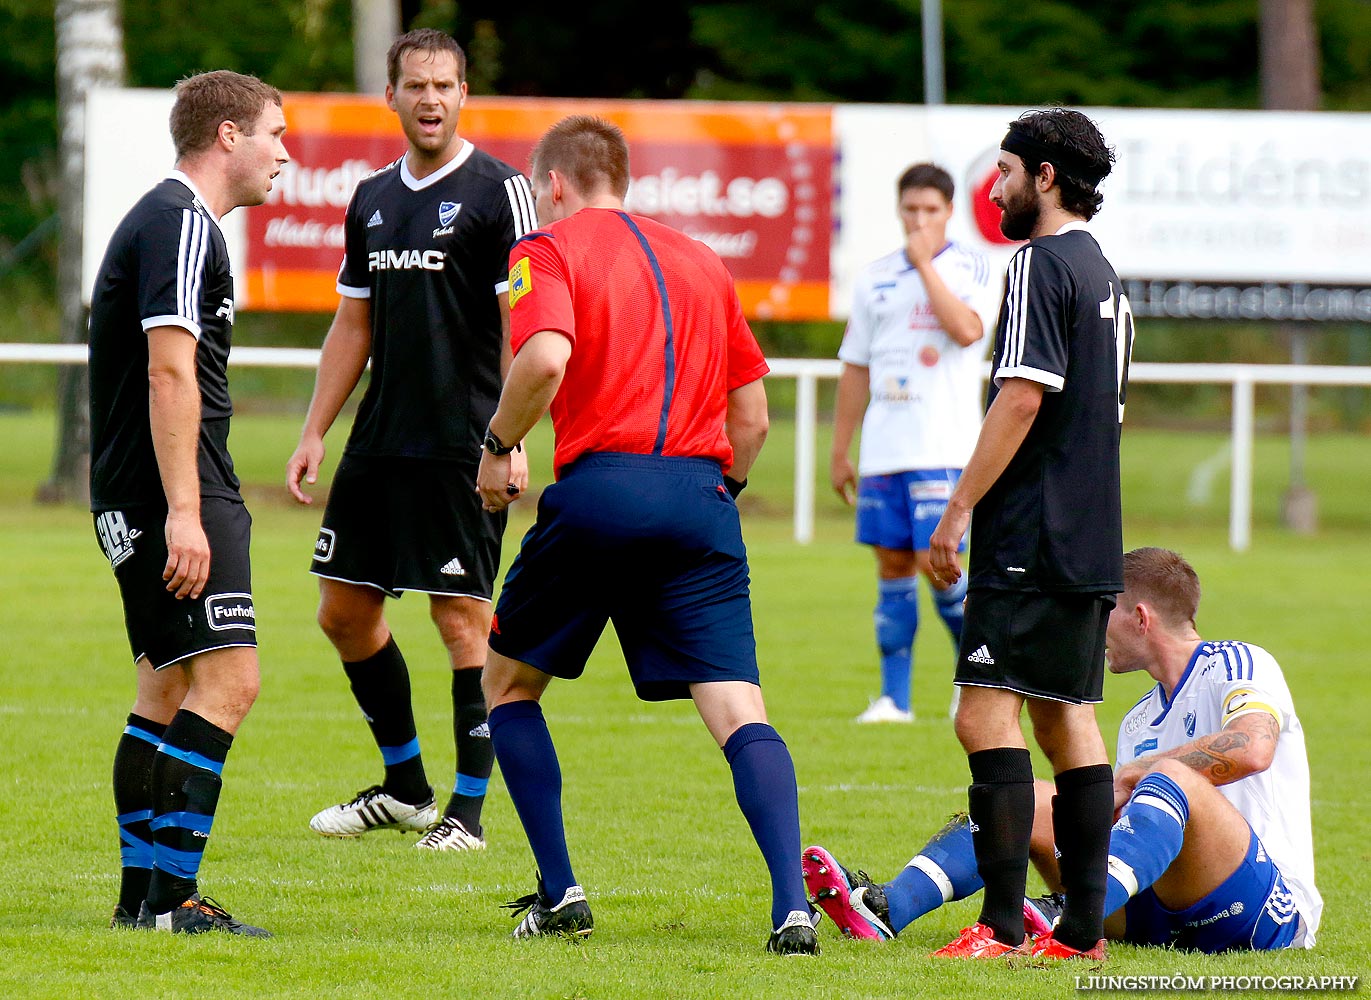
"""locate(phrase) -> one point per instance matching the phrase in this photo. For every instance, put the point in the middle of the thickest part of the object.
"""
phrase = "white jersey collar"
(177, 175)
(1072, 226)
(419, 183)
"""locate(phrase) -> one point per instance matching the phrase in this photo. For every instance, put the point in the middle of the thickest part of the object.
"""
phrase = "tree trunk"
(1289, 56)
(90, 54)
(1290, 82)
(375, 24)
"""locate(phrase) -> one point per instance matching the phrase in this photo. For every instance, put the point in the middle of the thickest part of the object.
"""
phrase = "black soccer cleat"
(197, 915)
(568, 918)
(1041, 913)
(796, 936)
(121, 919)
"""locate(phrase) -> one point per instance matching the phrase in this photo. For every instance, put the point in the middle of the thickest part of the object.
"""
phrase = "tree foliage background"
(1163, 53)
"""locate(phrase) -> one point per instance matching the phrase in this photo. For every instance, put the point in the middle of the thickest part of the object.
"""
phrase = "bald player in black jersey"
(423, 299)
(1046, 539)
(168, 513)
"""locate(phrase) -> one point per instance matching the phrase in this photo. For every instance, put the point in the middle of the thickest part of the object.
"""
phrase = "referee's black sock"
(1001, 806)
(380, 683)
(475, 757)
(133, 759)
(1082, 815)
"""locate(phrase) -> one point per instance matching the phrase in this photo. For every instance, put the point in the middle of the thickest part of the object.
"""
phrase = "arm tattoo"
(1221, 756)
(1210, 756)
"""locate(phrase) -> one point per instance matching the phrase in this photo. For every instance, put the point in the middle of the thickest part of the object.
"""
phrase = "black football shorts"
(161, 627)
(1038, 645)
(400, 524)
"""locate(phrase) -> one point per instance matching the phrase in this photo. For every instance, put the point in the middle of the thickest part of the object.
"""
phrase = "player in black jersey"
(168, 513)
(1047, 543)
(423, 285)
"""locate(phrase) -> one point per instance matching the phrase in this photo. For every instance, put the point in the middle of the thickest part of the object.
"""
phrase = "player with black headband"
(1047, 551)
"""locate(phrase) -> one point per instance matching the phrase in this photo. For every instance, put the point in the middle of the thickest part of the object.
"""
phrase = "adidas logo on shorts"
(982, 655)
(453, 567)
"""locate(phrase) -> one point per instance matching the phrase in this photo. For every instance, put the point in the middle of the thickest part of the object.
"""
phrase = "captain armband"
(1245, 701)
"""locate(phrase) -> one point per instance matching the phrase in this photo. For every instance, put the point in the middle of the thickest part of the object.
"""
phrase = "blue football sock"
(897, 621)
(764, 783)
(949, 605)
(944, 871)
(533, 776)
(1146, 839)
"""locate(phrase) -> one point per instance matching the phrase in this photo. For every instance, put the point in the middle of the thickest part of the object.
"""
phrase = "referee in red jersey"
(633, 335)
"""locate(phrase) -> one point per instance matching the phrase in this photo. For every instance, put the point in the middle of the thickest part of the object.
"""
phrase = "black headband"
(1034, 152)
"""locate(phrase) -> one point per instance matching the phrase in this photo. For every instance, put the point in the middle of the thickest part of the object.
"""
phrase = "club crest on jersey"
(520, 281)
(1190, 724)
(447, 212)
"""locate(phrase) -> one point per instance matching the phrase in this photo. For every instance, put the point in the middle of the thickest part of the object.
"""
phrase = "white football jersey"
(926, 398)
(1226, 680)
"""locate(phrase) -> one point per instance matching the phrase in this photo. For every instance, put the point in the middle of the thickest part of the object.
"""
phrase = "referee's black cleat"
(568, 918)
(197, 915)
(122, 919)
(796, 936)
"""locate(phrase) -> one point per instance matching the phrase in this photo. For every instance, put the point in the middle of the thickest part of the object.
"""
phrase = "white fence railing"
(807, 371)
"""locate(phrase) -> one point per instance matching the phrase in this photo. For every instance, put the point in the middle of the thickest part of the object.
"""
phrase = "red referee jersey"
(658, 335)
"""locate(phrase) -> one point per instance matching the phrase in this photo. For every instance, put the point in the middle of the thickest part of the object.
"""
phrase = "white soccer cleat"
(451, 835)
(883, 709)
(373, 809)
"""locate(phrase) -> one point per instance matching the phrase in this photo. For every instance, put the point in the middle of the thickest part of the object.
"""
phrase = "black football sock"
(185, 793)
(1082, 814)
(133, 759)
(1001, 807)
(380, 683)
(475, 757)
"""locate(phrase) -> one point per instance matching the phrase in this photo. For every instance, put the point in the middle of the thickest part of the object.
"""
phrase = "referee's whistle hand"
(495, 482)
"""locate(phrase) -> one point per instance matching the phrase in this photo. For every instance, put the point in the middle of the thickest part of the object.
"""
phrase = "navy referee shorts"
(652, 544)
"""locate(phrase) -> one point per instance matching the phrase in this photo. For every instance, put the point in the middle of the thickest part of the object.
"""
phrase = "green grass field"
(678, 889)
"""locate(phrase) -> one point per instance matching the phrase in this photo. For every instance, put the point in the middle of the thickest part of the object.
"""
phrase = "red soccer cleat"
(1046, 946)
(978, 941)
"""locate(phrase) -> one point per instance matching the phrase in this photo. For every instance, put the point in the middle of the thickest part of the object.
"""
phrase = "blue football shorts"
(899, 510)
(1252, 910)
(652, 544)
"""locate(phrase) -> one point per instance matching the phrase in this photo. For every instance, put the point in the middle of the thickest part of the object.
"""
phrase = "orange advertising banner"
(753, 181)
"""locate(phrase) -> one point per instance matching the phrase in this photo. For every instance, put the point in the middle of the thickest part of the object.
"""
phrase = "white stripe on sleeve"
(521, 204)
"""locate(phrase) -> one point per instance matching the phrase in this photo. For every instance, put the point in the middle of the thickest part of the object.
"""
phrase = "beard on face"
(1019, 214)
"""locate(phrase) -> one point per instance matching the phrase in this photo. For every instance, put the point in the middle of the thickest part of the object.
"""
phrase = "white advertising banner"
(120, 170)
(1208, 214)
(1227, 213)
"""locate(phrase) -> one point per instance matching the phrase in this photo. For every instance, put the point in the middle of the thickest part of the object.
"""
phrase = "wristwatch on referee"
(495, 446)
